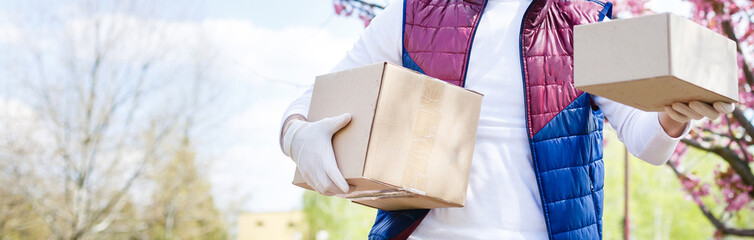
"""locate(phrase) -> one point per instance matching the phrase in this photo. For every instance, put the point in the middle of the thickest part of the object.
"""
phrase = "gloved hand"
(682, 112)
(309, 144)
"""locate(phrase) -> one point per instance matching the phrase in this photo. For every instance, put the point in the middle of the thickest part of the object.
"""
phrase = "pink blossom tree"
(729, 138)
(364, 9)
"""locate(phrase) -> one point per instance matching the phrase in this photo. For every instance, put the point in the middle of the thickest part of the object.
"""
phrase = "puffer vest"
(564, 129)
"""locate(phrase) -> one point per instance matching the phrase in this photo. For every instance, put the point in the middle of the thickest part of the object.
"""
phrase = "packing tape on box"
(425, 132)
(367, 195)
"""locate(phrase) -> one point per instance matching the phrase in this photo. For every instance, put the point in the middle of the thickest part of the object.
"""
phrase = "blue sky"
(276, 14)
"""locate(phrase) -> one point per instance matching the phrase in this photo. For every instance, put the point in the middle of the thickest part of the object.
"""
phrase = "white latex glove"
(309, 144)
(682, 112)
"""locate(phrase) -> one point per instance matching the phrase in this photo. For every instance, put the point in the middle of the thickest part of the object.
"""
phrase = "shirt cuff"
(661, 146)
(659, 128)
(292, 110)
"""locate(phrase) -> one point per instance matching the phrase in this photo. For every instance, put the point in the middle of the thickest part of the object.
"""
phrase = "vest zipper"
(471, 43)
(597, 2)
(528, 128)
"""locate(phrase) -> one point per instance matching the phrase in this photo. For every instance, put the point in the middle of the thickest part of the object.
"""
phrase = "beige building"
(274, 225)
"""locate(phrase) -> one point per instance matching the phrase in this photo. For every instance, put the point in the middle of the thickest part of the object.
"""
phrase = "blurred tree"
(107, 94)
(658, 209)
(729, 138)
(364, 9)
(15, 222)
(340, 218)
(182, 205)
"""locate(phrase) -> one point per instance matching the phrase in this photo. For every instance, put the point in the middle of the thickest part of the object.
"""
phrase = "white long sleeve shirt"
(502, 200)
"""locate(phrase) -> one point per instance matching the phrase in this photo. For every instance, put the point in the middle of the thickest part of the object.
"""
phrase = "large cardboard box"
(410, 140)
(652, 61)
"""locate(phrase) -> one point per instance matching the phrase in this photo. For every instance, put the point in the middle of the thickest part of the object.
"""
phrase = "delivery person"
(537, 169)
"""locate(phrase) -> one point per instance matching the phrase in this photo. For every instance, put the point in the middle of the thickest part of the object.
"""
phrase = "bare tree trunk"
(94, 100)
(626, 195)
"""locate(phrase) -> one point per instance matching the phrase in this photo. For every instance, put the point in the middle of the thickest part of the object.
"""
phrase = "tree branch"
(112, 202)
(745, 123)
(728, 30)
(736, 163)
(710, 131)
(711, 217)
(368, 4)
(743, 148)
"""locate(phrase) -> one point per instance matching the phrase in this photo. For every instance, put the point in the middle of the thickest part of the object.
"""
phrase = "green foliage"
(183, 207)
(340, 218)
(17, 220)
(658, 206)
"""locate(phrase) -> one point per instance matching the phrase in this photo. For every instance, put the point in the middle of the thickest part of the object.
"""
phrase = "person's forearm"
(287, 124)
(647, 135)
(673, 128)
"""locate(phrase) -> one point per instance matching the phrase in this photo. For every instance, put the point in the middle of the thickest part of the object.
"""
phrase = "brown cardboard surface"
(414, 201)
(358, 96)
(402, 201)
(425, 158)
(663, 89)
(412, 144)
(702, 57)
(652, 61)
(608, 52)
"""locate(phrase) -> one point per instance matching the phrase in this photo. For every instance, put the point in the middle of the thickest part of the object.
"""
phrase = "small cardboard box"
(410, 140)
(652, 61)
